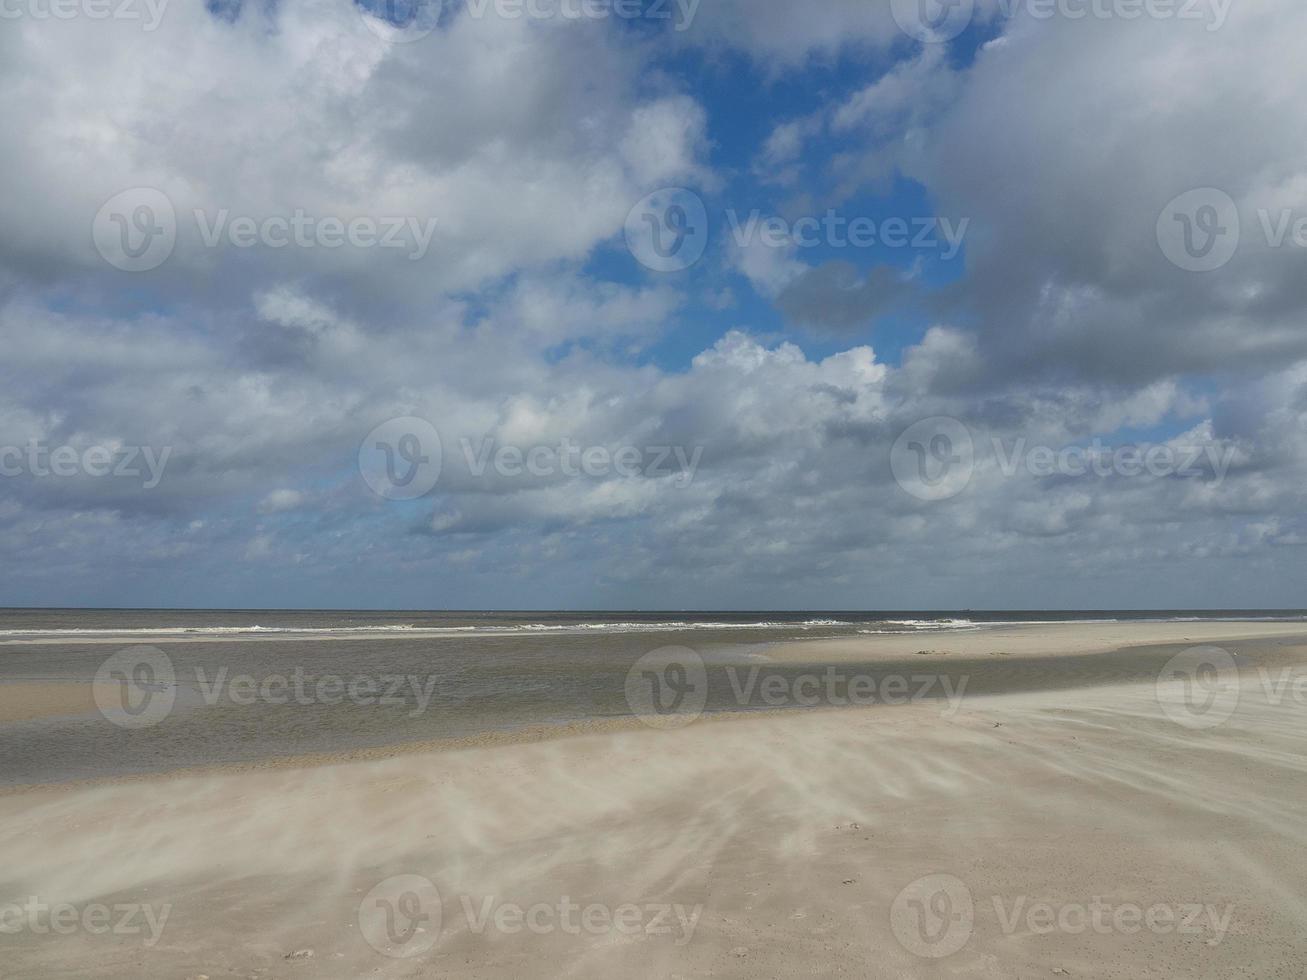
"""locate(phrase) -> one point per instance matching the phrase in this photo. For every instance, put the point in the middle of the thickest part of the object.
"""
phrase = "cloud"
(260, 371)
(835, 298)
(1065, 181)
(299, 109)
(280, 501)
(783, 36)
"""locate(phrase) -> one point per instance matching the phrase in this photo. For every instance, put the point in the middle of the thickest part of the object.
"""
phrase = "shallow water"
(252, 685)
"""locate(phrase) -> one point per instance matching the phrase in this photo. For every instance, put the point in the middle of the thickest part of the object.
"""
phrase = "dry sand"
(1027, 640)
(778, 846)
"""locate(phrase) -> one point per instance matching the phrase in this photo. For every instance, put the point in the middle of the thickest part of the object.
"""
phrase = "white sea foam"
(868, 627)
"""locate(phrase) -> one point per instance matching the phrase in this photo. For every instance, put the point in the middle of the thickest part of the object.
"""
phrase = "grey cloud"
(834, 298)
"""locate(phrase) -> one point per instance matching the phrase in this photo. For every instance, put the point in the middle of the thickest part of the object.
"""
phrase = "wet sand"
(776, 844)
(25, 700)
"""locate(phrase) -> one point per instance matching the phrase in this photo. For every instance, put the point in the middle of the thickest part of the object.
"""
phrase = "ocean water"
(246, 685)
(16, 623)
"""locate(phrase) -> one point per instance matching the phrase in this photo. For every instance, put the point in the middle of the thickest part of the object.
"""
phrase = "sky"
(653, 304)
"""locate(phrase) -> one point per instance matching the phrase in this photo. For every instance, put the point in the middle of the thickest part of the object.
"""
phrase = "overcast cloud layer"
(1068, 386)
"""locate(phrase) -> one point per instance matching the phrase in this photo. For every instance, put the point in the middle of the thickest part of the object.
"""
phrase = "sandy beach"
(1025, 640)
(1102, 829)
